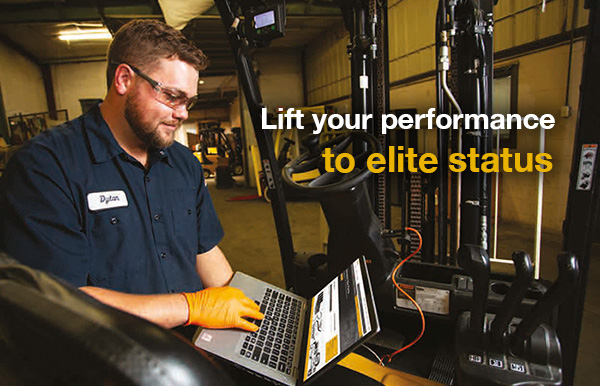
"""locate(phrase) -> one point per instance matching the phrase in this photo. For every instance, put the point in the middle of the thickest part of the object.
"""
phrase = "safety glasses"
(165, 95)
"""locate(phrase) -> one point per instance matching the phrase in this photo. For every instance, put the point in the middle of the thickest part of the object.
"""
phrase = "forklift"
(215, 151)
(496, 329)
(483, 328)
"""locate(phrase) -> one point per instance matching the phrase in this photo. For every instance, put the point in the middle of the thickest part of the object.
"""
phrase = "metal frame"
(464, 43)
(366, 21)
(240, 48)
(582, 205)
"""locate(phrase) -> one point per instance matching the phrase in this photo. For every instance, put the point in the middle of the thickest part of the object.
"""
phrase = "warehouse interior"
(538, 62)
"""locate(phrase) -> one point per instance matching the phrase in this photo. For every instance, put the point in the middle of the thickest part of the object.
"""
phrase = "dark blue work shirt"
(75, 204)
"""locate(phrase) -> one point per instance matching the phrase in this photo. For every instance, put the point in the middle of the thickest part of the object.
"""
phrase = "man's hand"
(222, 307)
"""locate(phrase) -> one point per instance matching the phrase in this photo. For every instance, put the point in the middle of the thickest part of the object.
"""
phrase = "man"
(109, 203)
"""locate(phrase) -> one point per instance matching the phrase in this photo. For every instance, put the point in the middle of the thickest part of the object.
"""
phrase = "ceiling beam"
(229, 94)
(218, 72)
(55, 12)
(78, 59)
(23, 52)
(225, 83)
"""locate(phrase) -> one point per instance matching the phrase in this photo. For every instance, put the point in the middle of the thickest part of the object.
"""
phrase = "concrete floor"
(251, 246)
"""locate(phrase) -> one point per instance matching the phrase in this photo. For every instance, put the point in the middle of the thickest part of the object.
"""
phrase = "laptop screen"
(340, 316)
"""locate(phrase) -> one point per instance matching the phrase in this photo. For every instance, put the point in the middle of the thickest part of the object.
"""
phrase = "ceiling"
(31, 28)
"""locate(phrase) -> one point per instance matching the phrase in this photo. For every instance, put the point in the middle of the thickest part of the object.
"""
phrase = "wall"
(421, 96)
(75, 81)
(181, 135)
(412, 40)
(542, 88)
(280, 79)
(328, 66)
(235, 118)
(21, 83)
(541, 91)
(218, 114)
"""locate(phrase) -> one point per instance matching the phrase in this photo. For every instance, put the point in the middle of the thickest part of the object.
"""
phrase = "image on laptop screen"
(339, 317)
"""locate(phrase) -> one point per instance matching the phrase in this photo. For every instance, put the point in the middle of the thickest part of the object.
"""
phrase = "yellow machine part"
(309, 175)
(198, 155)
(385, 375)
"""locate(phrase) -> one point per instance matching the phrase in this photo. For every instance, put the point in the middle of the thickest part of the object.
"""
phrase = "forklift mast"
(242, 30)
(367, 23)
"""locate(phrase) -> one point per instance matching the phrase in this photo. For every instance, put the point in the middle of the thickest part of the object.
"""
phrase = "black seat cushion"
(52, 333)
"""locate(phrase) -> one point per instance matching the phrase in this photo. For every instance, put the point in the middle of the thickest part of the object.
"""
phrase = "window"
(506, 91)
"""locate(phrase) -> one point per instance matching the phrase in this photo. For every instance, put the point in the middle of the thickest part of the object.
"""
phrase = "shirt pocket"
(113, 240)
(185, 221)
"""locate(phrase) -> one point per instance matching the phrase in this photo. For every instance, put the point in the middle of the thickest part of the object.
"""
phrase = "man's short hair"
(142, 43)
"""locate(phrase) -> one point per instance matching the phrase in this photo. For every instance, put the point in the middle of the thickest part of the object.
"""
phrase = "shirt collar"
(103, 144)
(157, 155)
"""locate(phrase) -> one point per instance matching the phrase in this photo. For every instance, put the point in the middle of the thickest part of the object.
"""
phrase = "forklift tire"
(206, 173)
(238, 170)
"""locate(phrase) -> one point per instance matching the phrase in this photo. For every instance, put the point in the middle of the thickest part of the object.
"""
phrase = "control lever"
(568, 272)
(476, 262)
(311, 142)
(512, 300)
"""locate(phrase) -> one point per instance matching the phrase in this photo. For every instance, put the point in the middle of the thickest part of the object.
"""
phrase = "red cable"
(390, 356)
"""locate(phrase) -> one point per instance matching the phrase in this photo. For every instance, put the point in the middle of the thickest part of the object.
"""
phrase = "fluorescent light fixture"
(201, 81)
(88, 34)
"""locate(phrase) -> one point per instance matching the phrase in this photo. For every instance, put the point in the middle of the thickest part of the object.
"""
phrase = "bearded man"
(111, 204)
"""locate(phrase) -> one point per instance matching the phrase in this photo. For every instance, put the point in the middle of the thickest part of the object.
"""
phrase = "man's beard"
(148, 134)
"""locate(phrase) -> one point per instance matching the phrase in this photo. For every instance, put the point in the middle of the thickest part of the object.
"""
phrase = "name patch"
(106, 200)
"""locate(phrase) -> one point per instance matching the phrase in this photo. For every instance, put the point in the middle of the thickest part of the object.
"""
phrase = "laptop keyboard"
(274, 343)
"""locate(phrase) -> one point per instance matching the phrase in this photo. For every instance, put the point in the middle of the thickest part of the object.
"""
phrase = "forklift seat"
(52, 333)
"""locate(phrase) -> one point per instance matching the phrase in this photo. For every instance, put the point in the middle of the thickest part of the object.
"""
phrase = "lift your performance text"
(292, 118)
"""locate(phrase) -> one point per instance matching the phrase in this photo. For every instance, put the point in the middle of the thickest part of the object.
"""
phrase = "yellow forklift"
(213, 149)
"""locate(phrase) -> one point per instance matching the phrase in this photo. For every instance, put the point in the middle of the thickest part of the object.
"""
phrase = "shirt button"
(147, 179)
(114, 220)
(189, 212)
(157, 217)
(163, 255)
(173, 291)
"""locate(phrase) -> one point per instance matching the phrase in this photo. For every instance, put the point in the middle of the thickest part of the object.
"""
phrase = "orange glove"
(222, 307)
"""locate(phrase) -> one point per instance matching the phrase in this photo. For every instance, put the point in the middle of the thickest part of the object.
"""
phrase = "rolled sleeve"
(210, 231)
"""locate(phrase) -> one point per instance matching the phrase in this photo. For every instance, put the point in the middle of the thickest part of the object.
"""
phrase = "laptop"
(299, 339)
